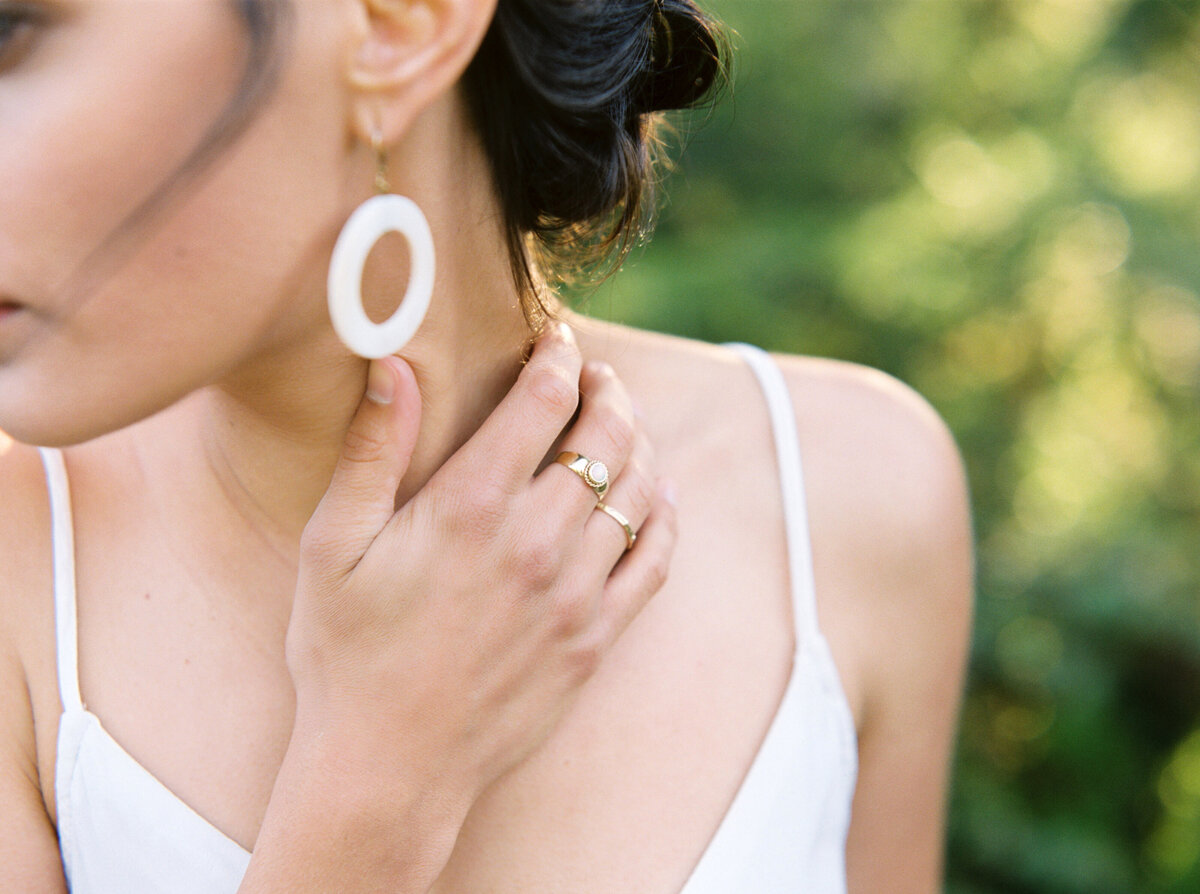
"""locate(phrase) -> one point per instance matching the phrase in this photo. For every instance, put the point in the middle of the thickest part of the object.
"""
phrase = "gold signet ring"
(630, 536)
(593, 472)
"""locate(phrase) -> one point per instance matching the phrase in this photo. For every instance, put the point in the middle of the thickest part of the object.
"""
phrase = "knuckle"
(539, 573)
(598, 369)
(658, 572)
(616, 427)
(538, 562)
(585, 656)
(569, 614)
(552, 391)
(655, 570)
(639, 487)
(363, 445)
(643, 449)
(670, 520)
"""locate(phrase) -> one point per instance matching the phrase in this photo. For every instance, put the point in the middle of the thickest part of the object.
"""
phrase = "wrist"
(369, 763)
(340, 811)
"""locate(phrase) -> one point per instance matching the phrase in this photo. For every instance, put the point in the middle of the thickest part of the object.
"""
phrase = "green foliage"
(997, 201)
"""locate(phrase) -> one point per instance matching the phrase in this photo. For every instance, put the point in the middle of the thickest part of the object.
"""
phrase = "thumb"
(375, 455)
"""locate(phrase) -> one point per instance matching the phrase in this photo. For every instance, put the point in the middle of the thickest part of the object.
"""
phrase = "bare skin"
(190, 521)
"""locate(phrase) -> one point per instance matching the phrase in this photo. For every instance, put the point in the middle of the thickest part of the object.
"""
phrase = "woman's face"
(105, 318)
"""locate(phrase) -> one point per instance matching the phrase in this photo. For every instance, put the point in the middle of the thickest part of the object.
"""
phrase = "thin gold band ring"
(630, 535)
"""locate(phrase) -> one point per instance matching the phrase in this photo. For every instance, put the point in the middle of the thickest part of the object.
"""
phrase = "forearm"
(338, 821)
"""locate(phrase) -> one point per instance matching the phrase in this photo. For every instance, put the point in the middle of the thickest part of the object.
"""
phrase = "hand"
(448, 637)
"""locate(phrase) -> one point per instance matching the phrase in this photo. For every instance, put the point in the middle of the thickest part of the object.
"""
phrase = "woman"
(368, 643)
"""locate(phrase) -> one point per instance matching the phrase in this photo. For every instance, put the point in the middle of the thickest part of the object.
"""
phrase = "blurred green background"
(997, 201)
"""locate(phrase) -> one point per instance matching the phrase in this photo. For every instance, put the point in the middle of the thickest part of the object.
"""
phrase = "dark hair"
(564, 95)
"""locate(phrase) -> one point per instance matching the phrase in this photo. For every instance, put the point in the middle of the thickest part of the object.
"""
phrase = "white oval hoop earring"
(370, 221)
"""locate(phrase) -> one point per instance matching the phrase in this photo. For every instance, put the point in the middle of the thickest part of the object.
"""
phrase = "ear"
(407, 53)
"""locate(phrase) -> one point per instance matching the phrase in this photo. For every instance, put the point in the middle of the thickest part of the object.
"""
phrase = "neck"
(272, 431)
(272, 444)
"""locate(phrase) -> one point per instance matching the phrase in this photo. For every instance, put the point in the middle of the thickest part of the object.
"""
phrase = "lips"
(8, 307)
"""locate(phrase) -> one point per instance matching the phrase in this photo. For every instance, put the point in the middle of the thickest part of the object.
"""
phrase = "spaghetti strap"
(63, 546)
(791, 477)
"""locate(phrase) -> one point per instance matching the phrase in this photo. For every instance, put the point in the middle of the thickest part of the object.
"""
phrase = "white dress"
(121, 831)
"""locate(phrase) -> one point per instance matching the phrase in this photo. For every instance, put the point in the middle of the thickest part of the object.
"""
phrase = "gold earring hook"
(381, 179)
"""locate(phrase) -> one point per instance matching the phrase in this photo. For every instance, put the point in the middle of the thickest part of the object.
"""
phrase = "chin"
(44, 417)
(44, 432)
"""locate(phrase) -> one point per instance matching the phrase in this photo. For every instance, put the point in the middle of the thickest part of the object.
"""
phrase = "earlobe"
(408, 52)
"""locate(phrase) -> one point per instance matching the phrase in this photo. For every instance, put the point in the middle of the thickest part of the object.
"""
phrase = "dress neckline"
(806, 659)
(811, 651)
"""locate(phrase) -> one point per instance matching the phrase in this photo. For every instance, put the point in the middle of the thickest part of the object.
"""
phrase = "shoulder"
(27, 584)
(28, 851)
(893, 558)
(890, 519)
(887, 496)
(880, 450)
(26, 611)
(24, 531)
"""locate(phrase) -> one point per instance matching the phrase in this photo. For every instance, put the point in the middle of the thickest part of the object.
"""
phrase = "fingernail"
(566, 334)
(381, 383)
(669, 492)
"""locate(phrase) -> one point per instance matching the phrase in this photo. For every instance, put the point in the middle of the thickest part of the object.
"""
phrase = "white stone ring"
(593, 472)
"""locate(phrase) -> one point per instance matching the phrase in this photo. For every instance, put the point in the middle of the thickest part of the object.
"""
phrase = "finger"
(513, 440)
(605, 432)
(644, 569)
(375, 455)
(631, 497)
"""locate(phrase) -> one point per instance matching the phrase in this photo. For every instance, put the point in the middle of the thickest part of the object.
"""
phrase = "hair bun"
(561, 93)
(685, 57)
